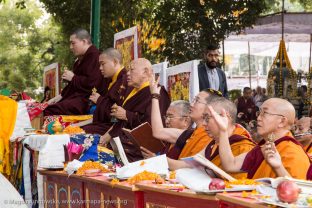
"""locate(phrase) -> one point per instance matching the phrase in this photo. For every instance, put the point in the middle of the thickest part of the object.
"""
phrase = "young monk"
(277, 155)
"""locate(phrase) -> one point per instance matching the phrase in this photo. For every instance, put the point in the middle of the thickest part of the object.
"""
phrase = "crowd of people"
(253, 137)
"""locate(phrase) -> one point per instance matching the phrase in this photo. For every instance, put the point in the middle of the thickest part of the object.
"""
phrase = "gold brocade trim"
(114, 78)
(135, 91)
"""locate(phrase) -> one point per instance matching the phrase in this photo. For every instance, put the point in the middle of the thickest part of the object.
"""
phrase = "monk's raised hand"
(271, 155)
(68, 75)
(94, 97)
(221, 119)
(154, 88)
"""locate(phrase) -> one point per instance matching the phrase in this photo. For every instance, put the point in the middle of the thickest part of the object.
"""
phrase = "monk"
(177, 116)
(85, 76)
(136, 107)
(303, 135)
(186, 142)
(112, 69)
(277, 155)
(240, 139)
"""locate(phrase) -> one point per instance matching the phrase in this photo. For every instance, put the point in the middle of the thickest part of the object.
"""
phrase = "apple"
(216, 184)
(288, 191)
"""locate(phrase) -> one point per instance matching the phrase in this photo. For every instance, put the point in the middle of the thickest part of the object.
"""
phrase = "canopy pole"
(95, 22)
(249, 65)
(223, 55)
(283, 11)
(310, 54)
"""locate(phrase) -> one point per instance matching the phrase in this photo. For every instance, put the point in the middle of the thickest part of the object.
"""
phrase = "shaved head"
(218, 103)
(303, 125)
(282, 107)
(140, 71)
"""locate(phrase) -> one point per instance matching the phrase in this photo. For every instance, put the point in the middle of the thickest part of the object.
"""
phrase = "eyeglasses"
(262, 113)
(169, 117)
(197, 100)
(213, 91)
(206, 117)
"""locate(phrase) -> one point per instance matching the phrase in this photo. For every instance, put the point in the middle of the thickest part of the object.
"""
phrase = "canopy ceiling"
(297, 28)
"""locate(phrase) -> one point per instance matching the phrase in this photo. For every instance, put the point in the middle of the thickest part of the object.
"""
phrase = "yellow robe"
(308, 149)
(197, 142)
(238, 146)
(294, 159)
(8, 111)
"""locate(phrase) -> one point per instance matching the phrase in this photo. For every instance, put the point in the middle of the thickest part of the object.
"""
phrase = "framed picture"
(182, 81)
(51, 78)
(127, 42)
(160, 71)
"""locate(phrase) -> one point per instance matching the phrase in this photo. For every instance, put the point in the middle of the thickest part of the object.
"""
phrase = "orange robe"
(294, 159)
(308, 149)
(196, 143)
(240, 142)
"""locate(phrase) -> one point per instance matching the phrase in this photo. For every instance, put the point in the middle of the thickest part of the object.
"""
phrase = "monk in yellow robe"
(302, 128)
(277, 155)
(185, 142)
(8, 111)
(240, 139)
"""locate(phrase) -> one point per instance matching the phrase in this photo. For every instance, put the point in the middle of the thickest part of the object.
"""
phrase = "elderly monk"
(277, 155)
(177, 116)
(303, 134)
(84, 77)
(136, 107)
(239, 138)
(111, 68)
(186, 142)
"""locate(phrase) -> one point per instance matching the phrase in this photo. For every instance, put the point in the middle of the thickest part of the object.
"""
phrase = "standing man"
(209, 74)
(81, 80)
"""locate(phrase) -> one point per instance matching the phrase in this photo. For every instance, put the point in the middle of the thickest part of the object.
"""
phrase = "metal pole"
(283, 11)
(95, 22)
(223, 55)
(249, 64)
(310, 54)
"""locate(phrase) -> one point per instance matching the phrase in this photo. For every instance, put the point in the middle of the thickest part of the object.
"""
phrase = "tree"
(188, 25)
(27, 44)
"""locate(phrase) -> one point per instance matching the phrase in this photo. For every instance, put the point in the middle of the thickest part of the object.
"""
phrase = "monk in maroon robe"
(84, 77)
(111, 68)
(246, 108)
(136, 108)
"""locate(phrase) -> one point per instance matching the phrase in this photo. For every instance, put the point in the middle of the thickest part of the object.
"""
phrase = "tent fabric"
(297, 28)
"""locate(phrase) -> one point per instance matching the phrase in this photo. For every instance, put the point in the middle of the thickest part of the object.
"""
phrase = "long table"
(87, 192)
(61, 190)
(155, 195)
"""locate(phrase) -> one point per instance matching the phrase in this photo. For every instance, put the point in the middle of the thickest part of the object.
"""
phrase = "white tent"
(263, 40)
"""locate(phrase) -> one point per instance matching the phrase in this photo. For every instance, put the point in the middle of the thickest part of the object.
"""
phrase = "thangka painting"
(51, 78)
(182, 81)
(127, 43)
(160, 71)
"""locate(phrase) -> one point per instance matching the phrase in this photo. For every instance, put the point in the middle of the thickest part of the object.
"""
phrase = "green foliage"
(234, 94)
(189, 24)
(27, 45)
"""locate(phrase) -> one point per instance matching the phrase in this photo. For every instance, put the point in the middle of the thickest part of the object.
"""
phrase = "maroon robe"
(254, 158)
(243, 105)
(75, 96)
(138, 110)
(176, 150)
(101, 117)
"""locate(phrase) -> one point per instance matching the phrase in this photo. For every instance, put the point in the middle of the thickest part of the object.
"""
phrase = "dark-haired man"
(81, 80)
(209, 73)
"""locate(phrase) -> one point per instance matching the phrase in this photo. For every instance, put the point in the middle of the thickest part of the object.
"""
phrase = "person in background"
(246, 109)
(209, 74)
